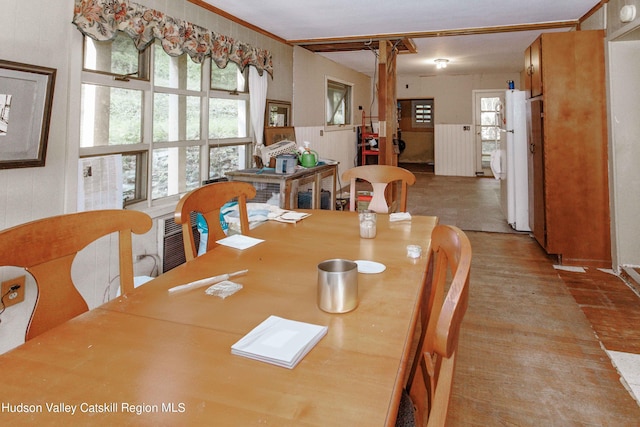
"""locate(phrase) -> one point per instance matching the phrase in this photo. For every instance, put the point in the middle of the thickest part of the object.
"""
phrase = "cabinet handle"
(532, 148)
(530, 70)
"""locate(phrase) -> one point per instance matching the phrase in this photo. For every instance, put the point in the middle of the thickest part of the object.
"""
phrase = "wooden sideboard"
(287, 187)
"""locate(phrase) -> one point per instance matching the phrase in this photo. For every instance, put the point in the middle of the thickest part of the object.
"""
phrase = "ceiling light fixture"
(441, 63)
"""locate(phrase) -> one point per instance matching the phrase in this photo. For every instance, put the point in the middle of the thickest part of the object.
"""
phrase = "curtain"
(102, 19)
(257, 103)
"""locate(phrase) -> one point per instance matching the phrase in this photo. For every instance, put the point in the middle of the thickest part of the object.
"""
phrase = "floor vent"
(172, 246)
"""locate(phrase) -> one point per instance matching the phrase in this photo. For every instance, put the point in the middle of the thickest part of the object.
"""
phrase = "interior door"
(488, 118)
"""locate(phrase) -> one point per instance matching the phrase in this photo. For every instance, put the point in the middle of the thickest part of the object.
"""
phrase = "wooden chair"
(379, 176)
(47, 247)
(207, 200)
(444, 302)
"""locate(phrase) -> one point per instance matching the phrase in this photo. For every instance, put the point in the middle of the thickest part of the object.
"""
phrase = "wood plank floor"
(612, 308)
(528, 356)
(531, 348)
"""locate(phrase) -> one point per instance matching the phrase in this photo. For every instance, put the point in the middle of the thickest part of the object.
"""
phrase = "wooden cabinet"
(533, 69)
(568, 149)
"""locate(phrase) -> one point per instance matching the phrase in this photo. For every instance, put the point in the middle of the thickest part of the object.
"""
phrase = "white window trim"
(165, 204)
(334, 128)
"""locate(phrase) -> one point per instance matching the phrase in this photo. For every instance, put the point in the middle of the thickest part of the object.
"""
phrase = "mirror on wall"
(278, 114)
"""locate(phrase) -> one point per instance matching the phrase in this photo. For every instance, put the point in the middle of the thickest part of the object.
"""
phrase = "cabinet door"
(535, 67)
(527, 71)
(537, 216)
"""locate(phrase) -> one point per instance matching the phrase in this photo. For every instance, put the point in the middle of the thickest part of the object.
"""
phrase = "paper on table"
(288, 216)
(239, 241)
(279, 341)
(399, 216)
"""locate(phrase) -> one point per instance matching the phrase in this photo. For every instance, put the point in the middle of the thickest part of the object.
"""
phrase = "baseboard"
(632, 278)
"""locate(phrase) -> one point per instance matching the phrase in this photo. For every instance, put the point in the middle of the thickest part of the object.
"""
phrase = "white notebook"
(279, 341)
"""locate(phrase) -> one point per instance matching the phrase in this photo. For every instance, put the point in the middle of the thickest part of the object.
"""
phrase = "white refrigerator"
(514, 184)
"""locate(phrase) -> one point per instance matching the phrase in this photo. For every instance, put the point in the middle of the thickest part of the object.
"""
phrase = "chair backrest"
(379, 176)
(207, 200)
(444, 302)
(47, 247)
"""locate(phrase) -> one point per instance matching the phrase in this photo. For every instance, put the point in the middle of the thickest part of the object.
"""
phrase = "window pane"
(176, 117)
(489, 104)
(489, 133)
(229, 78)
(223, 159)
(133, 176)
(119, 56)
(175, 72)
(488, 119)
(227, 118)
(422, 113)
(488, 147)
(338, 103)
(110, 116)
(175, 170)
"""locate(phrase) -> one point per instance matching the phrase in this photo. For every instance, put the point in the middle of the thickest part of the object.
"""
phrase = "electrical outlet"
(13, 297)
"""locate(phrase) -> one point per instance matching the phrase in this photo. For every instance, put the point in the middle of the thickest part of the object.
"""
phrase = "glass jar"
(367, 224)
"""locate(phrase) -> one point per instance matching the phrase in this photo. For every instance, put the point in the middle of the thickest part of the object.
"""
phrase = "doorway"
(415, 130)
(488, 119)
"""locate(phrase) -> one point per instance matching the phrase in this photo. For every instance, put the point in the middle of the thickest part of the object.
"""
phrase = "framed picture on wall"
(26, 97)
(273, 135)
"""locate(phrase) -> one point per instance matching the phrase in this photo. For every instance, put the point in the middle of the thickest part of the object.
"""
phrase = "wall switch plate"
(13, 297)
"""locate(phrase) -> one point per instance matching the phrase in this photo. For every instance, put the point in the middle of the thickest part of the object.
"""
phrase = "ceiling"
(477, 36)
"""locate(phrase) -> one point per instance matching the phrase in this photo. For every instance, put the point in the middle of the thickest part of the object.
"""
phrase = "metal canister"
(337, 285)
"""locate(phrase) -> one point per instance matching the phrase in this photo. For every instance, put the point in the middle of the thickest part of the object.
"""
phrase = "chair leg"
(439, 409)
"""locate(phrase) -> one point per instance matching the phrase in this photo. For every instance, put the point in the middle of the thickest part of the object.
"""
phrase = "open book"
(279, 341)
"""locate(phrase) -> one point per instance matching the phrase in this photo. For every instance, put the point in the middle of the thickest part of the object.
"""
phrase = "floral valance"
(102, 19)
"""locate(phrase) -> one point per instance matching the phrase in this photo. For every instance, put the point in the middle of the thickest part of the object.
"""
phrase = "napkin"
(239, 241)
(400, 216)
(279, 341)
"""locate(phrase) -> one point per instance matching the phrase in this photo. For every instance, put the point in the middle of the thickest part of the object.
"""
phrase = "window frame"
(349, 116)
(145, 149)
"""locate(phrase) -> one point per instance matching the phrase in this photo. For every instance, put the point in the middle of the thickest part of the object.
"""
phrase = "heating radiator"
(172, 246)
(454, 150)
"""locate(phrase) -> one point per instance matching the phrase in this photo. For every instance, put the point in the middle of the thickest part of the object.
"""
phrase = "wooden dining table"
(152, 357)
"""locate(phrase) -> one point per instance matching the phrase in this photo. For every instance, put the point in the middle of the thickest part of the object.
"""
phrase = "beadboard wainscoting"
(340, 145)
(454, 150)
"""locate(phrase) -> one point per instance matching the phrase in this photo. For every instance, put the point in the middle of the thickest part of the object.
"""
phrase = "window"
(490, 122)
(163, 121)
(229, 78)
(422, 116)
(228, 121)
(338, 103)
(225, 158)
